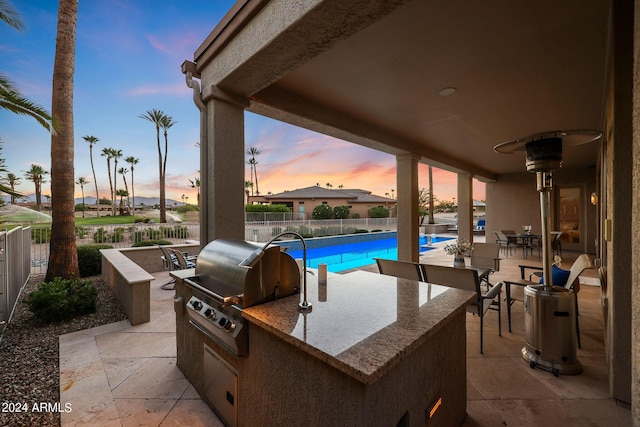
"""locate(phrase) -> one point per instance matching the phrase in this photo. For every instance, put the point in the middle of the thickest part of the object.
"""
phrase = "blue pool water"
(353, 255)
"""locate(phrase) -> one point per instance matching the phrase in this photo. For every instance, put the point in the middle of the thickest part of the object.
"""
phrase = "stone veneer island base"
(373, 351)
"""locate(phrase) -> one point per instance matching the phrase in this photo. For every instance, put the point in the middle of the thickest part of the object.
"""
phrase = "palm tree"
(10, 97)
(252, 152)
(36, 174)
(63, 255)
(195, 183)
(167, 123)
(122, 193)
(82, 182)
(92, 140)
(132, 161)
(12, 180)
(124, 172)
(116, 154)
(108, 153)
(161, 120)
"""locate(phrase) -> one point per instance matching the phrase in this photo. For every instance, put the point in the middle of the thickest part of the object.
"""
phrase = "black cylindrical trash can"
(550, 328)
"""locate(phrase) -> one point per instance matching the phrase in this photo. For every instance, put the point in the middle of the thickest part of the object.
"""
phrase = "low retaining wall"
(129, 282)
(128, 273)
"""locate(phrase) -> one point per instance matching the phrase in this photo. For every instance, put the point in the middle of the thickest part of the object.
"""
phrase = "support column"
(222, 167)
(465, 207)
(408, 220)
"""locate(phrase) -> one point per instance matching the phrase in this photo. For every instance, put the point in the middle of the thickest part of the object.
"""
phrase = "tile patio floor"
(122, 375)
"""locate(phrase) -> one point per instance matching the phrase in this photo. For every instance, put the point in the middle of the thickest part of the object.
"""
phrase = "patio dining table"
(525, 240)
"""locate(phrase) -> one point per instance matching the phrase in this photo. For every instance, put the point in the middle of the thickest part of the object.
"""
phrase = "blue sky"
(128, 57)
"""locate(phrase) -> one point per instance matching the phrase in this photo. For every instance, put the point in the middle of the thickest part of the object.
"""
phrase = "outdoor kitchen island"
(374, 350)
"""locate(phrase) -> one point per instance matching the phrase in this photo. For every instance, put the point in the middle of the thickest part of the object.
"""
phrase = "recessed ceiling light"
(447, 91)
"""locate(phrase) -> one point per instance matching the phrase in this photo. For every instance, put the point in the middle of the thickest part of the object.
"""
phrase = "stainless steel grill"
(223, 287)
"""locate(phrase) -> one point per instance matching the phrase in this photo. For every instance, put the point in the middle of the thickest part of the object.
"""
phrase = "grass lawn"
(106, 220)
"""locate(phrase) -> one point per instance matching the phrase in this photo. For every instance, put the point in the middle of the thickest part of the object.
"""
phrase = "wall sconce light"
(594, 199)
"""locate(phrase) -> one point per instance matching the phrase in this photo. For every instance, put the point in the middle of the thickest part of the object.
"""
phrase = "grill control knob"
(229, 326)
(197, 305)
(210, 313)
(222, 322)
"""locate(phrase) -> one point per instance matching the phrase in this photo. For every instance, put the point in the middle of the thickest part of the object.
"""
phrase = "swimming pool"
(357, 254)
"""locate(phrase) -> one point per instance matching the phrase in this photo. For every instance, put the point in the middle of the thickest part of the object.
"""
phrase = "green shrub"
(151, 243)
(276, 230)
(378, 212)
(360, 231)
(81, 231)
(266, 208)
(186, 208)
(355, 216)
(139, 236)
(341, 212)
(62, 299)
(90, 259)
(322, 211)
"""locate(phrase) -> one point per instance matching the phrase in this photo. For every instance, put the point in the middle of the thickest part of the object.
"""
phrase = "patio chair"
(466, 279)
(486, 255)
(503, 242)
(480, 226)
(556, 243)
(169, 261)
(183, 261)
(572, 283)
(402, 269)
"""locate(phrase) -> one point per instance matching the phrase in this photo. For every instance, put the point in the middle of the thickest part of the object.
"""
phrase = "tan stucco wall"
(514, 201)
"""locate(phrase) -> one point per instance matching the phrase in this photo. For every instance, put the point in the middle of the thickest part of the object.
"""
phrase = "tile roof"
(355, 195)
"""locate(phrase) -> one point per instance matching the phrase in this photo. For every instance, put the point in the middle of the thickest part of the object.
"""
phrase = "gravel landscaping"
(29, 360)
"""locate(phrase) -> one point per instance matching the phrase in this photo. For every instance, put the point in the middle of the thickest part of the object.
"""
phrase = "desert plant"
(62, 299)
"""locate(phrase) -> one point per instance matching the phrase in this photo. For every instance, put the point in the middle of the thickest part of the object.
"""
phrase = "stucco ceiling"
(518, 66)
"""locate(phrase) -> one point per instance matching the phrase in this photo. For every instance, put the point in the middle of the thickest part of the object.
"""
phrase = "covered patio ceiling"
(372, 72)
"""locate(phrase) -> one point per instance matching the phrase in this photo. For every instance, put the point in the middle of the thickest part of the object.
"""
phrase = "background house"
(303, 200)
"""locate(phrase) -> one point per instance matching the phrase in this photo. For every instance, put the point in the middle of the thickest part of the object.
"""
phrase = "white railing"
(115, 235)
(126, 235)
(14, 267)
(263, 231)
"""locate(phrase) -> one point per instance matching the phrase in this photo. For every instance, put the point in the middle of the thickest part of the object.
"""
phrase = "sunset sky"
(128, 58)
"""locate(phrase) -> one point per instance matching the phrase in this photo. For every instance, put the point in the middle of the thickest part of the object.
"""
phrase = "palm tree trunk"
(115, 186)
(63, 256)
(110, 181)
(163, 197)
(133, 194)
(94, 181)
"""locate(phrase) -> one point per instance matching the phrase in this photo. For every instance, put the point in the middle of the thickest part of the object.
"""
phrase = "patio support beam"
(407, 184)
(222, 167)
(465, 207)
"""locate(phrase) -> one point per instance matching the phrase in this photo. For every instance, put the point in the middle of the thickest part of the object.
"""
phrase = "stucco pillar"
(408, 220)
(465, 207)
(222, 167)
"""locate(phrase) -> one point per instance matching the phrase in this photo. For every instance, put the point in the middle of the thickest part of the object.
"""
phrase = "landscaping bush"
(62, 299)
(150, 243)
(90, 259)
(355, 216)
(81, 231)
(103, 236)
(341, 212)
(322, 211)
(266, 208)
(378, 212)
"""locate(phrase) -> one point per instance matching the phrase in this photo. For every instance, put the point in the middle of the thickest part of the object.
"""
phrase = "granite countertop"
(361, 323)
